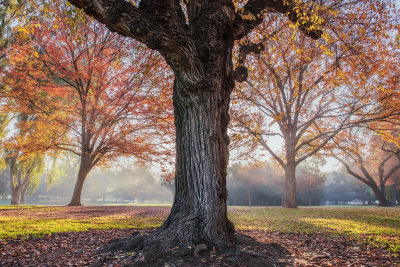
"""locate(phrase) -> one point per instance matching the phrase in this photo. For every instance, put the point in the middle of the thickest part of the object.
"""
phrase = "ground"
(355, 236)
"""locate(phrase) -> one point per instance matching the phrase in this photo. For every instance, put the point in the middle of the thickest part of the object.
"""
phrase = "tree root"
(154, 251)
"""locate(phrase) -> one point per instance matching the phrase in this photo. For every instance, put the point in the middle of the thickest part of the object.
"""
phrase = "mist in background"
(125, 186)
(258, 185)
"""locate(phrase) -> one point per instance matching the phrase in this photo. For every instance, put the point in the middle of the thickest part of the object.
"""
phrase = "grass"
(13, 227)
(377, 226)
(10, 207)
(37, 221)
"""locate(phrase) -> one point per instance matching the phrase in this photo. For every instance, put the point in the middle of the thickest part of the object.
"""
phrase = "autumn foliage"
(302, 93)
(92, 86)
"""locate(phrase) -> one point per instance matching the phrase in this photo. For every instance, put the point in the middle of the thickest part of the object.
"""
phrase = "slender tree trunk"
(15, 189)
(23, 195)
(249, 196)
(84, 170)
(393, 196)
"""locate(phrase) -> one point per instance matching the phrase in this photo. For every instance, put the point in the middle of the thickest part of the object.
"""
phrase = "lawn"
(378, 226)
(372, 225)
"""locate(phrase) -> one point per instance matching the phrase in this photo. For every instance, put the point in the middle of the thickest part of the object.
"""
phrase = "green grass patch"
(19, 207)
(13, 227)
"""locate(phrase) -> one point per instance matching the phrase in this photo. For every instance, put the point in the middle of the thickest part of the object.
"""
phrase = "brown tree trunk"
(290, 182)
(23, 195)
(199, 213)
(201, 97)
(15, 195)
(249, 196)
(290, 188)
(84, 170)
(380, 196)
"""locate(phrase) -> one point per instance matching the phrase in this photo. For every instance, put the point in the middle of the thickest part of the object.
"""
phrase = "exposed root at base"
(246, 251)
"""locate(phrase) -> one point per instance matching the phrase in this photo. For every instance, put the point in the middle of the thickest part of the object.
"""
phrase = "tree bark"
(380, 196)
(290, 188)
(199, 213)
(290, 176)
(201, 96)
(15, 195)
(84, 170)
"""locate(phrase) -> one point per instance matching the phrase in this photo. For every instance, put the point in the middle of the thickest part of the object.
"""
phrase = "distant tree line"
(106, 186)
(263, 185)
(254, 185)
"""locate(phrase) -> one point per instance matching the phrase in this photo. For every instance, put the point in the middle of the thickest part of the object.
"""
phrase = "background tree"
(371, 156)
(249, 177)
(140, 185)
(311, 184)
(261, 184)
(4, 185)
(93, 86)
(302, 93)
(25, 162)
(4, 181)
(58, 184)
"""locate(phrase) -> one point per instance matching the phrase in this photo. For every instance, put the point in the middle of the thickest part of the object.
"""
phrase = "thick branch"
(351, 172)
(157, 24)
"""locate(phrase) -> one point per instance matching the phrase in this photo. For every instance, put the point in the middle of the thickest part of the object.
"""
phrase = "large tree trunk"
(84, 170)
(201, 97)
(199, 213)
